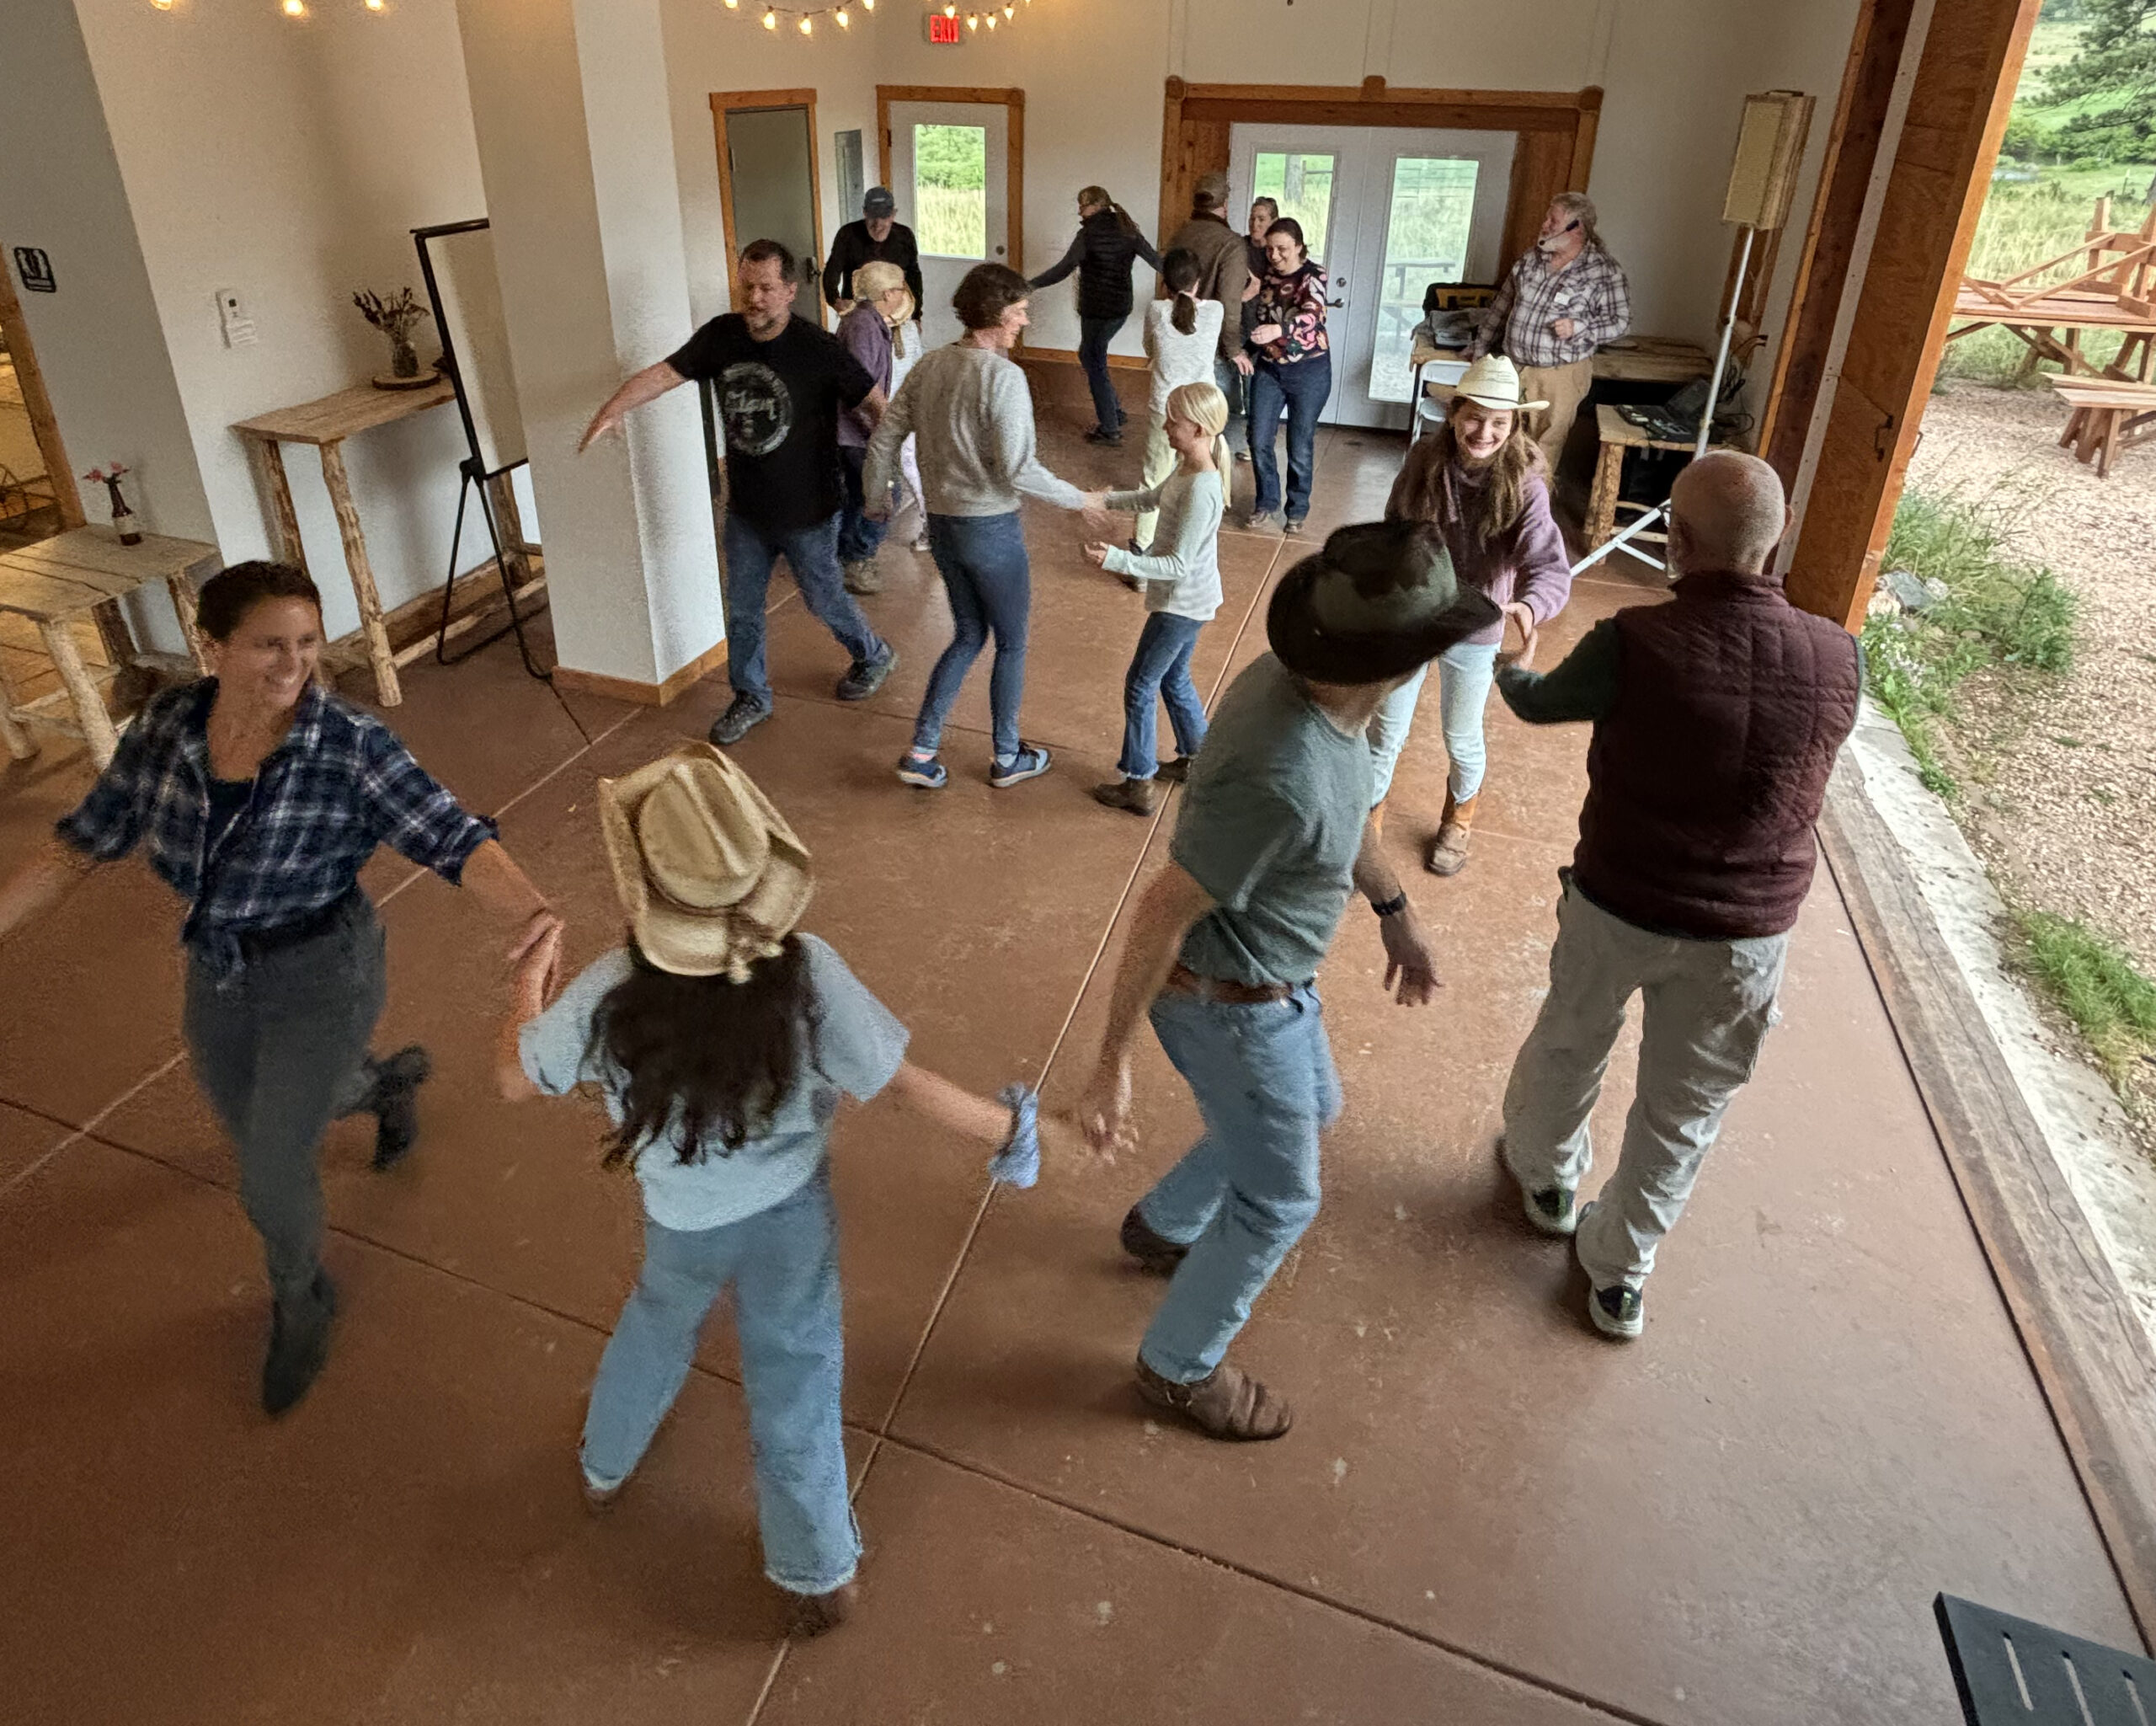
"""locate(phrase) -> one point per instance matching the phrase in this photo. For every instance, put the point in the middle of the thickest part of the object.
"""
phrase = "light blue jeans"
(1160, 668)
(783, 1266)
(1464, 674)
(813, 553)
(982, 559)
(1243, 1194)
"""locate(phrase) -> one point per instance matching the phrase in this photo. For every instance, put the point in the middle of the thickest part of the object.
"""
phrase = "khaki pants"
(1564, 387)
(1160, 462)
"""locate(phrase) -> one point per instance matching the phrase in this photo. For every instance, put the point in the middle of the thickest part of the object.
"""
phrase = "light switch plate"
(231, 315)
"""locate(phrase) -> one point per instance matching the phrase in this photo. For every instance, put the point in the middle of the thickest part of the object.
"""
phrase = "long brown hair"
(1428, 491)
(706, 1058)
(1099, 194)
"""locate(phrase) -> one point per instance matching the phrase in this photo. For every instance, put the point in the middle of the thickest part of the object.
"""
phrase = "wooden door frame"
(723, 102)
(45, 425)
(1196, 118)
(1014, 149)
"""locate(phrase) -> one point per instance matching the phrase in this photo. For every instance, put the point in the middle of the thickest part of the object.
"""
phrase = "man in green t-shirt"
(1273, 835)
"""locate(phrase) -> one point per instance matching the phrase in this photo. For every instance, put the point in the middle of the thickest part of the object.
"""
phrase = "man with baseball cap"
(879, 238)
(1223, 274)
(1227, 939)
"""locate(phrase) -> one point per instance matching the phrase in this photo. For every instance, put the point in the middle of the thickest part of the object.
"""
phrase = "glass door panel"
(1301, 184)
(950, 190)
(1427, 229)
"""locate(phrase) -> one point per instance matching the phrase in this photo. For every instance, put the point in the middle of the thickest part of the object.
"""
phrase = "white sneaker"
(1617, 1311)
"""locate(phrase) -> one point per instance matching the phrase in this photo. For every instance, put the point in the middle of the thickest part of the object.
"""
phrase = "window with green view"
(1302, 186)
(1425, 232)
(950, 190)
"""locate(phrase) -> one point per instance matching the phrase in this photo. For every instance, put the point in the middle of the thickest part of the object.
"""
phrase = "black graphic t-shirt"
(778, 404)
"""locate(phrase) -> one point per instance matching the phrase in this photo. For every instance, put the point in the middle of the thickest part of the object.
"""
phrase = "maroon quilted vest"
(1706, 776)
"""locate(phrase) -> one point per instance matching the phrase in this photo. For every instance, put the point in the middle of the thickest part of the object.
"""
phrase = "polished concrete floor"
(1485, 1514)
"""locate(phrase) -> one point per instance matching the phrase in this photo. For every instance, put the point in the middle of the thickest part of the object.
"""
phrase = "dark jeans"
(280, 1048)
(1301, 388)
(1160, 668)
(812, 554)
(1094, 335)
(1236, 388)
(982, 559)
(859, 535)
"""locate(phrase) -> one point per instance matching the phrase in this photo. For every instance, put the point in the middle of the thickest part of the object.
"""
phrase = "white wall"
(288, 160)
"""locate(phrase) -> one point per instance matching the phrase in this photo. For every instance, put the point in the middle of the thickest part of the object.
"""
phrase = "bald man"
(1717, 718)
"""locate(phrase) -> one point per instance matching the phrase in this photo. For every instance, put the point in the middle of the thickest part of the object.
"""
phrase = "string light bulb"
(296, 8)
(1010, 12)
(991, 20)
(868, 5)
(377, 5)
(770, 19)
(162, 5)
(843, 21)
(973, 20)
(733, 5)
(807, 26)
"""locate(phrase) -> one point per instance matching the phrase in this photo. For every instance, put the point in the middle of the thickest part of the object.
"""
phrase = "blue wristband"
(1019, 1163)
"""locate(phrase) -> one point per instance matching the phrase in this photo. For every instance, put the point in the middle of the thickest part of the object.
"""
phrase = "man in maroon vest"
(1717, 717)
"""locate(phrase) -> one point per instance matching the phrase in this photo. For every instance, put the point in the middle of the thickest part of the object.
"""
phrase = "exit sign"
(947, 32)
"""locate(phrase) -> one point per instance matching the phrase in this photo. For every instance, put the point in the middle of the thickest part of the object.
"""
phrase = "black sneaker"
(1154, 1252)
(1618, 1312)
(299, 1344)
(1174, 772)
(742, 716)
(396, 1102)
(868, 676)
(1111, 440)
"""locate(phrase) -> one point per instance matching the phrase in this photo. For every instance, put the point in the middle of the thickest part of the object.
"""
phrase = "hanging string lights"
(803, 19)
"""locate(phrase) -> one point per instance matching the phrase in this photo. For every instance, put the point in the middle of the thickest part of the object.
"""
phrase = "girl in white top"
(1182, 583)
(910, 515)
(1183, 336)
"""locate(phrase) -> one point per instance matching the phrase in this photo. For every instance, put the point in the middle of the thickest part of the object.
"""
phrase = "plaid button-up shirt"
(339, 784)
(1591, 291)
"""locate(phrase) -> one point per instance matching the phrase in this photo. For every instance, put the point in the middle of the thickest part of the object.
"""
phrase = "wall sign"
(36, 269)
(944, 31)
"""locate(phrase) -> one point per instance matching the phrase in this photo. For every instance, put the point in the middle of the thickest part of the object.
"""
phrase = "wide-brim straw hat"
(1493, 381)
(712, 877)
(1377, 602)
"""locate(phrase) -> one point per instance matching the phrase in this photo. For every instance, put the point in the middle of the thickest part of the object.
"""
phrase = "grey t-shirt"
(1272, 820)
(858, 1046)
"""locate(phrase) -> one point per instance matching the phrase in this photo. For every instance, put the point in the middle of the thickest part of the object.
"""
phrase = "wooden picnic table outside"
(2108, 414)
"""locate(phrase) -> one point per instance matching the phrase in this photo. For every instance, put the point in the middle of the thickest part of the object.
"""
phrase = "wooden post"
(283, 516)
(1602, 504)
(20, 743)
(508, 522)
(81, 690)
(182, 605)
(387, 690)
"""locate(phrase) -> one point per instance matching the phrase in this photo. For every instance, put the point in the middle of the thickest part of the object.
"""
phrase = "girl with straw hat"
(1479, 484)
(722, 1039)
(1181, 578)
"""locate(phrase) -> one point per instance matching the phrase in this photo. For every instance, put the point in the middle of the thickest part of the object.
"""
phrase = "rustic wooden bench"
(2110, 415)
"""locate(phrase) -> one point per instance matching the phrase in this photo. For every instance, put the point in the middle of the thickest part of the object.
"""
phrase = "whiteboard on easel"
(458, 263)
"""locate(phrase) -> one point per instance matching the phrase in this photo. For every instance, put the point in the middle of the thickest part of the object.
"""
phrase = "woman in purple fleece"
(1479, 482)
(882, 302)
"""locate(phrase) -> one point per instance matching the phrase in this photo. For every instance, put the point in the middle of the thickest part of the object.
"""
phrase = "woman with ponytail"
(1182, 334)
(1106, 240)
(1181, 584)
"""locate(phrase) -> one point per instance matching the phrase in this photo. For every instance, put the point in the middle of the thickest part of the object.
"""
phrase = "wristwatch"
(1393, 906)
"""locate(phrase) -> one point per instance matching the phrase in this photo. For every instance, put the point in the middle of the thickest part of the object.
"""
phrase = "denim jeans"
(982, 559)
(1236, 388)
(1301, 389)
(811, 554)
(859, 536)
(1094, 335)
(1707, 1006)
(1160, 668)
(1465, 672)
(783, 1266)
(1243, 1194)
(280, 1048)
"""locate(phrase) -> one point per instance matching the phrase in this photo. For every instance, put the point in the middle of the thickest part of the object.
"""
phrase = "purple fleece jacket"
(868, 338)
(1526, 562)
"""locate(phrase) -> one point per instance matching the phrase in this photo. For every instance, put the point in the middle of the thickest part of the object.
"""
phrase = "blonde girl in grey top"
(1181, 579)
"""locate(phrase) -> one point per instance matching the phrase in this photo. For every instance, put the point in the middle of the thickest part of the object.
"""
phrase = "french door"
(1387, 212)
(950, 172)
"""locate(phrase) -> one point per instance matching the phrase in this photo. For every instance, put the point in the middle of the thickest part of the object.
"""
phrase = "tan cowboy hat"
(1380, 599)
(1493, 381)
(878, 277)
(711, 875)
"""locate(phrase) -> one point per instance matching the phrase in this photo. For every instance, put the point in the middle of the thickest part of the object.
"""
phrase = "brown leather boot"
(816, 1614)
(1226, 1403)
(1448, 850)
(1136, 795)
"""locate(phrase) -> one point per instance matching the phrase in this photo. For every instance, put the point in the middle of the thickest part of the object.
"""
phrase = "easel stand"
(470, 477)
(1661, 510)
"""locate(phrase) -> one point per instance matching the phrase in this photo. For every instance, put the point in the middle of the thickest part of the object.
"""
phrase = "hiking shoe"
(1242, 455)
(1293, 530)
(1257, 521)
(868, 676)
(1134, 795)
(1174, 772)
(921, 544)
(742, 716)
(861, 576)
(1226, 1403)
(924, 771)
(1154, 1251)
(1551, 1208)
(1110, 439)
(299, 1344)
(396, 1102)
(1617, 1311)
(1030, 762)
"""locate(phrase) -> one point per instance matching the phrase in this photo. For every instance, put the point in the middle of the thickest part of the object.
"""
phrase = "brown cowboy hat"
(1378, 600)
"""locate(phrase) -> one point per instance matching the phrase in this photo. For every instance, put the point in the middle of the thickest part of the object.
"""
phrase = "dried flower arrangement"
(396, 318)
(123, 518)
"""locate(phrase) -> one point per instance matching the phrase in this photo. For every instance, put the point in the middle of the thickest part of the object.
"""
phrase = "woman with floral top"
(1291, 361)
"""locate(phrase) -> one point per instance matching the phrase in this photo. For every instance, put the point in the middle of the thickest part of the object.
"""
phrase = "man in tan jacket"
(1223, 274)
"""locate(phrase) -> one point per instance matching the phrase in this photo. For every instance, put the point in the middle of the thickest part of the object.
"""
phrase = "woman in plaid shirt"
(259, 797)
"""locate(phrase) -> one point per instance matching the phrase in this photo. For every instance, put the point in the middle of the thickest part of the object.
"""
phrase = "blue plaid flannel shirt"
(339, 784)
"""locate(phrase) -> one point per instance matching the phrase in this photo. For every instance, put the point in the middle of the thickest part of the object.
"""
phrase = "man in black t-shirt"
(879, 238)
(779, 384)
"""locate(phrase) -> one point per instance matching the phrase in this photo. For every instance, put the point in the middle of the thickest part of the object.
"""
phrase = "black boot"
(299, 1344)
(396, 1102)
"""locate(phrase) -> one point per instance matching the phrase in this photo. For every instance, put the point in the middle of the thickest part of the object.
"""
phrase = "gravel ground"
(2061, 774)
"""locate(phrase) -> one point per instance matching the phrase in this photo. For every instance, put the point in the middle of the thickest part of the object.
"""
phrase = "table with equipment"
(77, 574)
(1631, 359)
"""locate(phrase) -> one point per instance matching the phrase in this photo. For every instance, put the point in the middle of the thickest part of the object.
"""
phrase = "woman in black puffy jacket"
(1106, 240)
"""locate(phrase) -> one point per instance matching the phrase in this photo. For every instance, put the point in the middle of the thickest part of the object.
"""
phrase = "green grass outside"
(1992, 611)
(2092, 979)
(953, 222)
